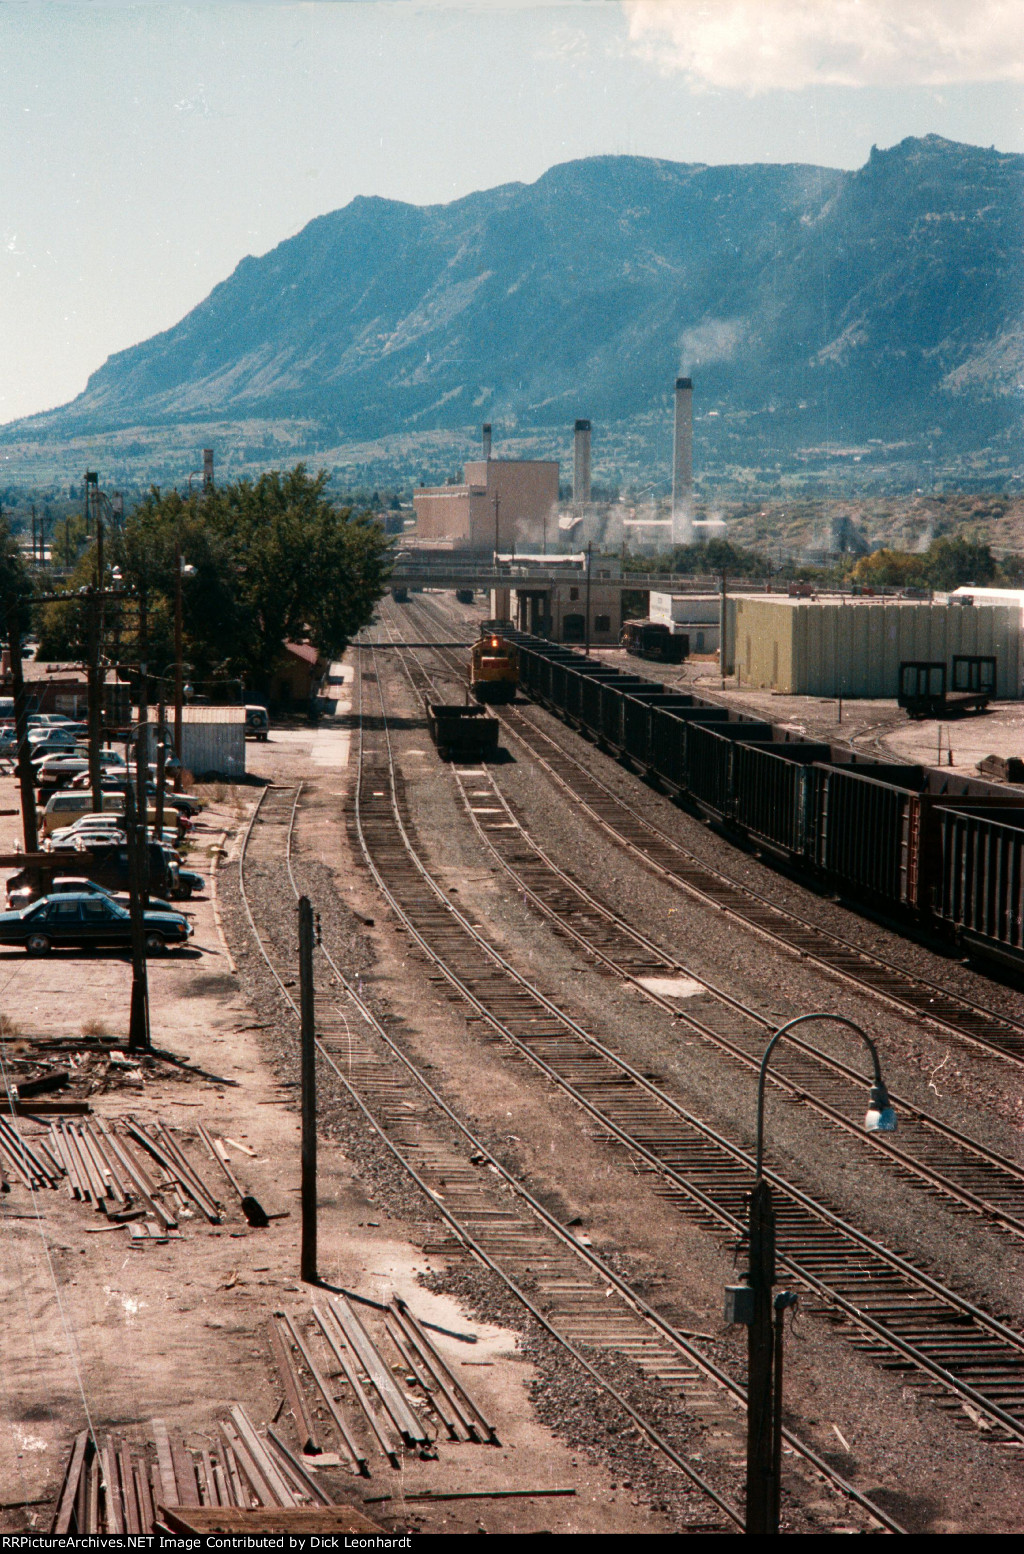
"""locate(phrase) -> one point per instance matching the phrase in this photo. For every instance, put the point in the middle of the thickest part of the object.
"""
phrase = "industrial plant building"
(500, 503)
(696, 616)
(837, 647)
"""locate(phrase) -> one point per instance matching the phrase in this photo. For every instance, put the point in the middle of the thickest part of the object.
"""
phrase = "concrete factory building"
(835, 647)
(501, 503)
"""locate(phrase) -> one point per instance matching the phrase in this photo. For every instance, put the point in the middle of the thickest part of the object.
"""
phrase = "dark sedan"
(88, 920)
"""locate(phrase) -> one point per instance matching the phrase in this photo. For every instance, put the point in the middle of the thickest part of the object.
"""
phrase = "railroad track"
(512, 1236)
(929, 1152)
(916, 996)
(899, 1313)
(572, 1292)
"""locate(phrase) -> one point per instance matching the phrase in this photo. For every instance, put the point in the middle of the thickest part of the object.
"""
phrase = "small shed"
(212, 740)
(297, 675)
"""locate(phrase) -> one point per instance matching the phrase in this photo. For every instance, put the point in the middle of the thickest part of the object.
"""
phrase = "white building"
(697, 616)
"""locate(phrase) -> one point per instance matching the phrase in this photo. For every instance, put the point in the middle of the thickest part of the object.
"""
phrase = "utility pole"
(94, 640)
(307, 1259)
(178, 668)
(26, 776)
(138, 1019)
(590, 551)
(497, 507)
(723, 630)
(161, 767)
(142, 740)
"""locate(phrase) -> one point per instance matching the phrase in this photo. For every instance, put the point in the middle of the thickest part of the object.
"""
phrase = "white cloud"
(765, 45)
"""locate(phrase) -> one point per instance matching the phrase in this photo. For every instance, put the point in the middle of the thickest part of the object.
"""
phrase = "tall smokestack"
(486, 439)
(682, 451)
(207, 468)
(581, 465)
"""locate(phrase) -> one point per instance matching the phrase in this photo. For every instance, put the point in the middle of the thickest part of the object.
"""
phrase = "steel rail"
(466, 1236)
(585, 1254)
(981, 1206)
(908, 1271)
(515, 722)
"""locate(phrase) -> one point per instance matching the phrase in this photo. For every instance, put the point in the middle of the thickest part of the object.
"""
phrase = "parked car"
(108, 866)
(85, 920)
(75, 885)
(58, 770)
(118, 780)
(64, 808)
(91, 828)
(257, 723)
(189, 884)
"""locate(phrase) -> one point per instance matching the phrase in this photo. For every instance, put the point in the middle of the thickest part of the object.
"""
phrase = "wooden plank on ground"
(309, 1520)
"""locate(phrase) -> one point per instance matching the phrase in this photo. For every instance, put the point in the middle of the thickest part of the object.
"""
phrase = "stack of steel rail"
(32, 1163)
(100, 1168)
(384, 1412)
(111, 1487)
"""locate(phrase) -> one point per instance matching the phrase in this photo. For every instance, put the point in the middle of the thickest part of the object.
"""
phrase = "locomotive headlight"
(881, 1115)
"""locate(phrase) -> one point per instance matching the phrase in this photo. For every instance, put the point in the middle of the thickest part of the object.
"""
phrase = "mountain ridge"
(808, 303)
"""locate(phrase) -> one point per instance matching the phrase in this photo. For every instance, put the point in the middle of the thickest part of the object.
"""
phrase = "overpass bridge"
(485, 575)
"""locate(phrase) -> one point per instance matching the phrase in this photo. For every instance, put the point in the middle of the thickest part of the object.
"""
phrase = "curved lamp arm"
(879, 1095)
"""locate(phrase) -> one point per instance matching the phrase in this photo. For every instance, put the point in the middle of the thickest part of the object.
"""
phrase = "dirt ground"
(99, 1334)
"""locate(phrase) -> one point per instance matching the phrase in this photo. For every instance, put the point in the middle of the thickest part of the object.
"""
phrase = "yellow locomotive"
(493, 667)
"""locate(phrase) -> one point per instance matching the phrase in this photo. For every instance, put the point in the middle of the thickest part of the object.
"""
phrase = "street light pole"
(752, 1305)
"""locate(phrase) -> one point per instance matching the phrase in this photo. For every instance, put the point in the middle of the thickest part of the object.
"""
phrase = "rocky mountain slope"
(809, 304)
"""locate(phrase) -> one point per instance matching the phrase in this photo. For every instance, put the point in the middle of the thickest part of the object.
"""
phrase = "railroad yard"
(542, 994)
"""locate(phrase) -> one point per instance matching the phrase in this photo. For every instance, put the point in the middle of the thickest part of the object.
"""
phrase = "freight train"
(941, 852)
(493, 668)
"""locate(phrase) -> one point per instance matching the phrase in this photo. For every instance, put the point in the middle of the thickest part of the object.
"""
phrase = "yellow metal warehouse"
(833, 647)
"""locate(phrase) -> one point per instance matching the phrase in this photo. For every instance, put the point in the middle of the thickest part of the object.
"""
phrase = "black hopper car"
(936, 850)
(653, 639)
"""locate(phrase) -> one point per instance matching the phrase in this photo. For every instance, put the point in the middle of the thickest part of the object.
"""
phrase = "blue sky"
(148, 147)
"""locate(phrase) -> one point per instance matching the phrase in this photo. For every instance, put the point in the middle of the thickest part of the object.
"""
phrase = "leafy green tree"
(891, 569)
(15, 584)
(270, 560)
(959, 559)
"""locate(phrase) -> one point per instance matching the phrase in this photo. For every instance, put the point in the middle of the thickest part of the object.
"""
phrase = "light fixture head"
(881, 1115)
